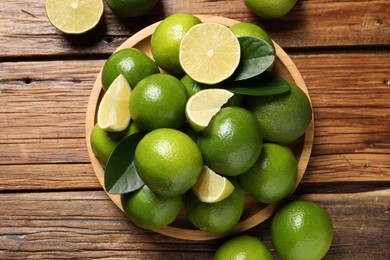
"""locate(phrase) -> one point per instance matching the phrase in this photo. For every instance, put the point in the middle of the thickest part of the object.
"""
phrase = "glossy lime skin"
(218, 217)
(150, 210)
(131, 8)
(270, 9)
(284, 117)
(250, 29)
(243, 247)
(301, 230)
(168, 161)
(132, 63)
(232, 141)
(158, 101)
(273, 175)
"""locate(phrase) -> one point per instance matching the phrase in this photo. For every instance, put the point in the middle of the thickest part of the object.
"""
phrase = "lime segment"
(209, 53)
(212, 187)
(203, 105)
(74, 16)
(113, 112)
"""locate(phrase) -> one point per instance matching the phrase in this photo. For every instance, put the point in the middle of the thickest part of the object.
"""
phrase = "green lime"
(192, 86)
(301, 230)
(270, 9)
(165, 42)
(243, 247)
(284, 117)
(103, 143)
(74, 17)
(273, 175)
(158, 101)
(131, 8)
(132, 63)
(168, 161)
(150, 210)
(250, 29)
(219, 217)
(232, 141)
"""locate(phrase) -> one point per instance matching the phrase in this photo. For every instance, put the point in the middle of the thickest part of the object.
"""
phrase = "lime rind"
(113, 112)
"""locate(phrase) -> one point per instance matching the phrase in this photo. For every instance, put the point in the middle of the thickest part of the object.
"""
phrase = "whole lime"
(301, 230)
(168, 161)
(158, 101)
(273, 175)
(218, 217)
(131, 8)
(270, 9)
(243, 247)
(251, 29)
(150, 210)
(165, 42)
(284, 117)
(132, 63)
(232, 141)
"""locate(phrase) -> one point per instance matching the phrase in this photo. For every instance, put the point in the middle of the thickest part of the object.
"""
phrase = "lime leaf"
(256, 56)
(262, 85)
(120, 175)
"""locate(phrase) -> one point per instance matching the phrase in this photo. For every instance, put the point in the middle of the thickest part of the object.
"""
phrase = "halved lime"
(113, 113)
(212, 187)
(203, 105)
(74, 16)
(209, 53)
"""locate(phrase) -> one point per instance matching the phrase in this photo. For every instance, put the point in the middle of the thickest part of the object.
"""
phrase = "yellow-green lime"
(165, 42)
(103, 143)
(132, 63)
(251, 29)
(131, 8)
(168, 161)
(273, 175)
(284, 117)
(301, 230)
(232, 141)
(212, 187)
(74, 16)
(158, 101)
(270, 9)
(192, 86)
(150, 210)
(113, 112)
(209, 53)
(219, 217)
(203, 105)
(243, 247)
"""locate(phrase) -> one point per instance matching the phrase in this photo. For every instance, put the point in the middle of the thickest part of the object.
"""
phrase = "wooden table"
(51, 204)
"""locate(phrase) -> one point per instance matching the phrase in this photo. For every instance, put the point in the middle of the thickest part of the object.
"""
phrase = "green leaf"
(262, 85)
(120, 175)
(256, 56)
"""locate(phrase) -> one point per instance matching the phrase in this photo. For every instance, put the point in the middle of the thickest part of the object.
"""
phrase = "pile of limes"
(204, 146)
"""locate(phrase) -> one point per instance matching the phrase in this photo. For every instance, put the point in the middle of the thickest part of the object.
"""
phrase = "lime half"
(202, 106)
(113, 113)
(74, 16)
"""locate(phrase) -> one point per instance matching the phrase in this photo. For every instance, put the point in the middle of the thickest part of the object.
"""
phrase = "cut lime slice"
(113, 113)
(209, 53)
(74, 16)
(202, 106)
(212, 187)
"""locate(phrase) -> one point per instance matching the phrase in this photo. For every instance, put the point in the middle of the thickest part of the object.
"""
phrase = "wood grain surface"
(51, 204)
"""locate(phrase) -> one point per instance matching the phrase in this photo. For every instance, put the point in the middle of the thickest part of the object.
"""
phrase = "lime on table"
(203, 105)
(131, 8)
(74, 16)
(243, 247)
(212, 187)
(270, 9)
(113, 112)
(209, 53)
(301, 230)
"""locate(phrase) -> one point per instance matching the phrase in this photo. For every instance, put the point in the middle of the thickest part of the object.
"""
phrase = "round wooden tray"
(254, 212)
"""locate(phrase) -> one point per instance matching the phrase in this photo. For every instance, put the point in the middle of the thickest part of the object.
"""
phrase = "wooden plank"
(88, 225)
(352, 133)
(25, 30)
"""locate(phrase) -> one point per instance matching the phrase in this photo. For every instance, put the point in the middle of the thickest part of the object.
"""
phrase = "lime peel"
(212, 187)
(113, 113)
